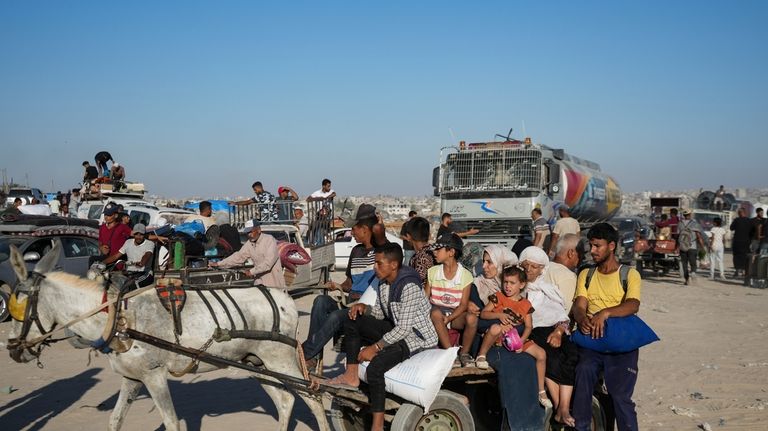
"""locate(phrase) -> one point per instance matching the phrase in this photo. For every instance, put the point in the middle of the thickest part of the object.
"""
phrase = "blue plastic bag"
(191, 228)
(620, 334)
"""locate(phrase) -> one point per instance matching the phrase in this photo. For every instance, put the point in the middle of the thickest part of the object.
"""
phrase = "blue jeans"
(516, 375)
(325, 320)
(620, 373)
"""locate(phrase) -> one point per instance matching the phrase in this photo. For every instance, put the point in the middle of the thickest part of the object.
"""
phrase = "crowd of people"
(748, 239)
(433, 301)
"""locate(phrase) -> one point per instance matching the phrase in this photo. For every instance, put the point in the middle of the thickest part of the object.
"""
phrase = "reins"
(82, 317)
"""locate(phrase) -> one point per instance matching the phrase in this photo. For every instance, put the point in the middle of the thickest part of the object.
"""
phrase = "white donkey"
(63, 297)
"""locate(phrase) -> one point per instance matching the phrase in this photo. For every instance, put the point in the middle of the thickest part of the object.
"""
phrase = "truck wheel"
(3, 306)
(447, 412)
(343, 418)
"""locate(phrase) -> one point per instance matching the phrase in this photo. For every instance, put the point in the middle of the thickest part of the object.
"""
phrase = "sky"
(204, 98)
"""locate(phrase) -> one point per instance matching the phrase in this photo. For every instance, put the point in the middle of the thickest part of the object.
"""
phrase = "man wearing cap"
(262, 251)
(286, 196)
(112, 233)
(691, 255)
(139, 256)
(566, 224)
(326, 318)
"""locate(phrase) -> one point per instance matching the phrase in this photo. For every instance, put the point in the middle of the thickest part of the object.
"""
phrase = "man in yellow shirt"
(605, 298)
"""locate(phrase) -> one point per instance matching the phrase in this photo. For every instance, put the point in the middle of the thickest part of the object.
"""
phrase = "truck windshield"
(490, 170)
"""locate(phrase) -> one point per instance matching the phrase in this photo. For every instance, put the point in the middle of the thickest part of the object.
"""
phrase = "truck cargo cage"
(318, 213)
(493, 169)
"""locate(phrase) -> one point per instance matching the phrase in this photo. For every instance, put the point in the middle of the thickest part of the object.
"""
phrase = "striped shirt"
(447, 292)
(360, 269)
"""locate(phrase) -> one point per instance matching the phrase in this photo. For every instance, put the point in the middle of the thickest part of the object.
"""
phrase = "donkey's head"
(23, 304)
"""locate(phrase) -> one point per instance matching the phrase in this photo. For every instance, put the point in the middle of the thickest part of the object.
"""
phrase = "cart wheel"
(448, 412)
(343, 418)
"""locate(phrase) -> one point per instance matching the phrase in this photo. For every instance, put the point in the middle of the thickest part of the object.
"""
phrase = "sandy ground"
(710, 367)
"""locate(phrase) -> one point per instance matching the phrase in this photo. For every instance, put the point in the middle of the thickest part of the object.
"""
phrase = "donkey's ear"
(46, 264)
(17, 262)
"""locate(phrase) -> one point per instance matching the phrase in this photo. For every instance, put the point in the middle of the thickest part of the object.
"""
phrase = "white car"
(344, 242)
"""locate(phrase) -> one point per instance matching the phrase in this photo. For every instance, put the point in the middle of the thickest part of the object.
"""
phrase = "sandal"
(481, 362)
(544, 401)
(466, 360)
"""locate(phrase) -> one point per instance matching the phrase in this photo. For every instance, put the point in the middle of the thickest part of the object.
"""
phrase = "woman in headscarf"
(495, 259)
(550, 324)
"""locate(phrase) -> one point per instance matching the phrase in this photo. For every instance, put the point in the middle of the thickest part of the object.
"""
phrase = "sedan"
(344, 242)
(78, 244)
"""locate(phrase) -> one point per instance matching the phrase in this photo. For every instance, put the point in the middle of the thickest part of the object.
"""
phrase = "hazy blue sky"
(203, 98)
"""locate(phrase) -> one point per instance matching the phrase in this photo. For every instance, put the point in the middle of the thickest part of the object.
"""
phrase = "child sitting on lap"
(514, 312)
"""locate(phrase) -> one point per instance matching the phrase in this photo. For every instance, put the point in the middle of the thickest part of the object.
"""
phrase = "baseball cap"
(111, 209)
(139, 228)
(365, 211)
(281, 189)
(251, 225)
(448, 239)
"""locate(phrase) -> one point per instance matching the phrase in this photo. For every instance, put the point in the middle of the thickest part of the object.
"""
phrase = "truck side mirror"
(436, 180)
(553, 179)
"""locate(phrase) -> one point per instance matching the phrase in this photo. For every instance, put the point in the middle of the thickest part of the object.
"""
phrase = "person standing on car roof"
(101, 158)
(112, 233)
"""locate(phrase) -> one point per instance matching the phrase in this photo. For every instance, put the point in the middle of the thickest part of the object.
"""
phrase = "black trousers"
(688, 258)
(366, 330)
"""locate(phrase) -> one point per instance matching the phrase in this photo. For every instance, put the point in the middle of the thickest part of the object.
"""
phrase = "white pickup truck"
(318, 241)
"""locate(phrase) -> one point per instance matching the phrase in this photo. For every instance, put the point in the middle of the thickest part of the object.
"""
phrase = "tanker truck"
(494, 186)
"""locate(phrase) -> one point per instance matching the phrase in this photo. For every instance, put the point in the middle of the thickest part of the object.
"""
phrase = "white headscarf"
(501, 257)
(548, 303)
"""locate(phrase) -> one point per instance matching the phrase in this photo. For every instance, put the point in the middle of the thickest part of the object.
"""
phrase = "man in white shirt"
(55, 205)
(560, 272)
(325, 192)
(138, 254)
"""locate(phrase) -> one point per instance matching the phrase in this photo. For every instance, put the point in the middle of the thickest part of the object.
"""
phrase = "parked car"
(26, 194)
(35, 236)
(344, 242)
(137, 208)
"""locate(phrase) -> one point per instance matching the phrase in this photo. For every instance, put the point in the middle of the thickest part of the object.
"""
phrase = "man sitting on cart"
(396, 327)
(262, 251)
